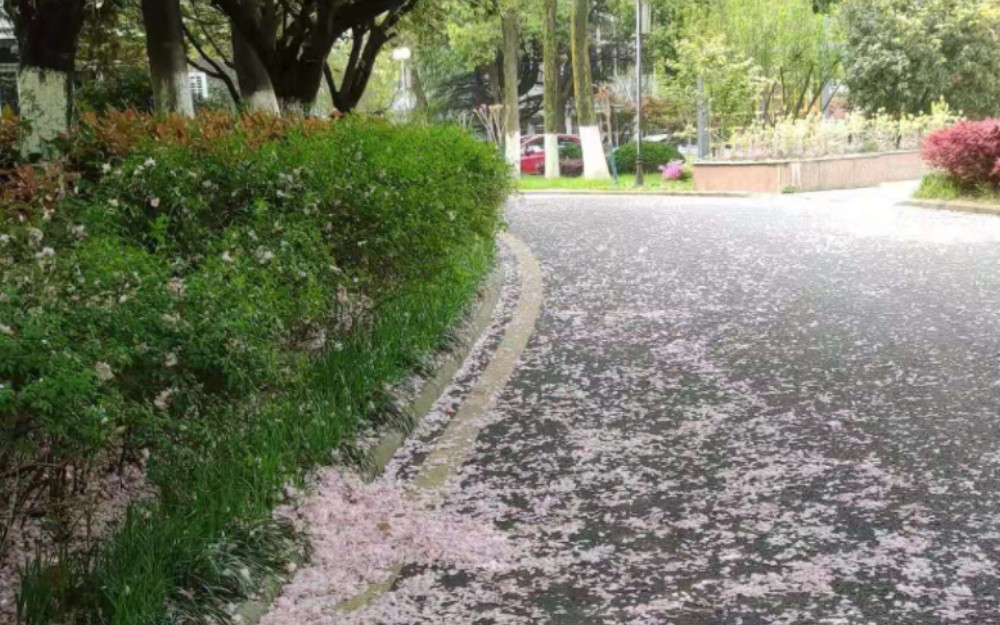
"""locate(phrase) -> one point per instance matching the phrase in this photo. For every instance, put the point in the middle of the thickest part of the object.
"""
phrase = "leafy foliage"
(732, 83)
(653, 155)
(207, 293)
(968, 151)
(121, 88)
(902, 55)
(815, 136)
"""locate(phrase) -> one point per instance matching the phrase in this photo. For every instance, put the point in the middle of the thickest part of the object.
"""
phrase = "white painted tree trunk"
(512, 148)
(45, 105)
(551, 155)
(595, 165)
(263, 100)
(291, 106)
(172, 93)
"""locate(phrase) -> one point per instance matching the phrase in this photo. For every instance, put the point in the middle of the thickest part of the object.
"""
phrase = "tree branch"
(219, 72)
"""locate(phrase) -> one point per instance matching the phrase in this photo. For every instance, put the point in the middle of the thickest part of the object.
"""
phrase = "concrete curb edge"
(958, 206)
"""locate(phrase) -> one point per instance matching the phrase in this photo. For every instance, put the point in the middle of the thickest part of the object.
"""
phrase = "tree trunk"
(595, 165)
(167, 57)
(550, 95)
(561, 105)
(255, 85)
(419, 94)
(511, 99)
(48, 32)
(297, 88)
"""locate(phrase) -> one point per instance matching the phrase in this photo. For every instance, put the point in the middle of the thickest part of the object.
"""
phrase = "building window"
(199, 85)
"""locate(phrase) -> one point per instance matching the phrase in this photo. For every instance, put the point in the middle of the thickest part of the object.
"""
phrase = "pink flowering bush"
(674, 170)
(227, 297)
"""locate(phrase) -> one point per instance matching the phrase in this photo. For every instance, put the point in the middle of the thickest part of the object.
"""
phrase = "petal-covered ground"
(732, 412)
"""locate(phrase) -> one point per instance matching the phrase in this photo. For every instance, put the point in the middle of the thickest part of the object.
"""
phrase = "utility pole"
(638, 92)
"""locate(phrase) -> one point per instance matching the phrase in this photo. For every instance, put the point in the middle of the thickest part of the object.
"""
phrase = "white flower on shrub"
(80, 231)
(106, 168)
(6, 329)
(162, 400)
(113, 203)
(47, 252)
(149, 163)
(176, 286)
(4, 239)
(264, 255)
(35, 235)
(170, 361)
(154, 202)
(226, 257)
(104, 372)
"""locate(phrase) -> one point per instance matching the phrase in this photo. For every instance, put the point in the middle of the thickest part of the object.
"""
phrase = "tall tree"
(903, 55)
(255, 86)
(550, 95)
(167, 58)
(48, 33)
(511, 98)
(595, 166)
(295, 56)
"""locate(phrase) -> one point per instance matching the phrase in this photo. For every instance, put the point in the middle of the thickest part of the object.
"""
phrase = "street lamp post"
(638, 92)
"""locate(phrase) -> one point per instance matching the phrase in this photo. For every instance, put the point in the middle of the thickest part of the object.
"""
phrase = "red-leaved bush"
(968, 151)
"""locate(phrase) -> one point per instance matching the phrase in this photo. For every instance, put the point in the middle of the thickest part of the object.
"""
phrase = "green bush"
(653, 155)
(571, 151)
(232, 308)
(126, 87)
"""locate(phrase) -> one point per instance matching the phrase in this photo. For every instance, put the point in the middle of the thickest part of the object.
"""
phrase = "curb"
(963, 207)
(462, 425)
(635, 193)
(468, 329)
(458, 439)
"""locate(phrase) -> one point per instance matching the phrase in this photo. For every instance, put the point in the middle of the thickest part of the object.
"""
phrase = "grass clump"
(940, 186)
(229, 298)
(652, 183)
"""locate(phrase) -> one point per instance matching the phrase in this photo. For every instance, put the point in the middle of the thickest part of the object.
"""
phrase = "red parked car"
(533, 152)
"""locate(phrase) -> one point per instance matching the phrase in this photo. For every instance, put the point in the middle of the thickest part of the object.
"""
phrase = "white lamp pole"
(402, 54)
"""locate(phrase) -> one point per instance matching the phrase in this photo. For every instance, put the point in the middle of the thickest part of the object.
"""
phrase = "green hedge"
(233, 308)
(653, 155)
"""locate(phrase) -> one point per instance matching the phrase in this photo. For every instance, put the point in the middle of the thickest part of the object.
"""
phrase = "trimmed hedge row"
(188, 291)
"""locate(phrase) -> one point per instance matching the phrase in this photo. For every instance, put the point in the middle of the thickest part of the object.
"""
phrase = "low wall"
(812, 174)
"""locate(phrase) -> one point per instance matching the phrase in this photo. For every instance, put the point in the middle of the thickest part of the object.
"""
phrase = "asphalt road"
(740, 412)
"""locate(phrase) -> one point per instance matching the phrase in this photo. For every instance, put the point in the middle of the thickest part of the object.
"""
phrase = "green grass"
(652, 183)
(938, 186)
(184, 557)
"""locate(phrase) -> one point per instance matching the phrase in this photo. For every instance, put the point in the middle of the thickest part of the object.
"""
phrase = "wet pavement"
(738, 412)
